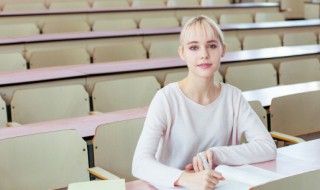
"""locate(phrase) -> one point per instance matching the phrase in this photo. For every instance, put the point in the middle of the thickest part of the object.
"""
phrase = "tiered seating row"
(90, 48)
(122, 76)
(65, 101)
(70, 26)
(41, 5)
(85, 20)
(47, 163)
(75, 154)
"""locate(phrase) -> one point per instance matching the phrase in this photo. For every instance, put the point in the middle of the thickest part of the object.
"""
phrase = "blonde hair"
(202, 24)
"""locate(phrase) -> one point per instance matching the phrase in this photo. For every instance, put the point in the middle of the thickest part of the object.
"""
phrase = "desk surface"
(85, 125)
(266, 95)
(152, 32)
(78, 71)
(291, 160)
(133, 9)
(312, 2)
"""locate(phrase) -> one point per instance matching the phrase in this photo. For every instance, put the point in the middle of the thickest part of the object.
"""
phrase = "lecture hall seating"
(19, 29)
(34, 162)
(101, 10)
(119, 52)
(268, 17)
(296, 114)
(23, 6)
(298, 71)
(59, 57)
(3, 113)
(140, 125)
(89, 40)
(114, 24)
(148, 3)
(300, 38)
(214, 2)
(250, 77)
(260, 111)
(312, 9)
(232, 43)
(114, 145)
(112, 95)
(182, 3)
(73, 5)
(102, 4)
(261, 41)
(12, 62)
(49, 103)
(89, 74)
(164, 49)
(65, 27)
(163, 22)
(235, 18)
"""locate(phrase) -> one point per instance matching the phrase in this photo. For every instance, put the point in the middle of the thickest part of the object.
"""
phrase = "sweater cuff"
(216, 158)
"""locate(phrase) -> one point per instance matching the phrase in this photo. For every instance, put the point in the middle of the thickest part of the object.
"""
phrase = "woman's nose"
(204, 53)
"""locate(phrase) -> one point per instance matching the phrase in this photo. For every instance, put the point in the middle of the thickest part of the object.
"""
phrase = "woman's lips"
(204, 65)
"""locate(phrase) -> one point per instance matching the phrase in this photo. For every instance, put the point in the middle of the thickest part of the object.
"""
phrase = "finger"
(195, 164)
(200, 163)
(217, 175)
(209, 154)
(211, 181)
(189, 167)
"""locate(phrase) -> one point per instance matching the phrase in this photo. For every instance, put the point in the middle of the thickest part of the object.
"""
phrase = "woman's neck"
(202, 90)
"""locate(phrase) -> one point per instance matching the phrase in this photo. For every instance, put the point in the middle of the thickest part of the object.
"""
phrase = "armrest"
(101, 173)
(13, 124)
(286, 138)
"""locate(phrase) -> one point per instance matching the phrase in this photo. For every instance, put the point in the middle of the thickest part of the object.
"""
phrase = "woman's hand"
(203, 180)
(198, 164)
(196, 176)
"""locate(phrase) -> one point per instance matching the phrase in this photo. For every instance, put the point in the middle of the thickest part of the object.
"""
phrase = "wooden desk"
(87, 75)
(238, 30)
(291, 160)
(308, 151)
(312, 10)
(65, 72)
(266, 95)
(91, 15)
(85, 125)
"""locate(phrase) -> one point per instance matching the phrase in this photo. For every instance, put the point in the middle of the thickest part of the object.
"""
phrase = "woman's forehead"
(199, 35)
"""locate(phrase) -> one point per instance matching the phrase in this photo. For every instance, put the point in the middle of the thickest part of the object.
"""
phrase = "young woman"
(195, 116)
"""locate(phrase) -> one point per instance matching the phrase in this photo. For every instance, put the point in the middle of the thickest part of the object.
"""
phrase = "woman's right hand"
(202, 180)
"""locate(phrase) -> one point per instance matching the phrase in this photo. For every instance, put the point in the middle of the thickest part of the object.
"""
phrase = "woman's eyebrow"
(212, 41)
(192, 42)
(195, 42)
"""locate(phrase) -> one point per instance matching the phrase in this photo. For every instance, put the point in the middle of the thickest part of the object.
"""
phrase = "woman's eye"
(213, 46)
(193, 47)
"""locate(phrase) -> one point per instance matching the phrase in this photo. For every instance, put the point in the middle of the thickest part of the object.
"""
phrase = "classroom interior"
(77, 77)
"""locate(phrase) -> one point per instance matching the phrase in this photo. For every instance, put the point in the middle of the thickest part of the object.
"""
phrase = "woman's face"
(202, 53)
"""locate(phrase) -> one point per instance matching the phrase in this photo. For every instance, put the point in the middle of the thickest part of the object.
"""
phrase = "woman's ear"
(180, 51)
(223, 50)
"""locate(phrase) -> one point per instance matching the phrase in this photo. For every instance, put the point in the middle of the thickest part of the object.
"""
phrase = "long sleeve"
(177, 129)
(145, 166)
(260, 146)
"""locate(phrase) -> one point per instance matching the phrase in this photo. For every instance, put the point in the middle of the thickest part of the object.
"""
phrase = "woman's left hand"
(197, 164)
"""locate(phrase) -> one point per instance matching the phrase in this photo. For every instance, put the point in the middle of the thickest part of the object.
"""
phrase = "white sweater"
(177, 128)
